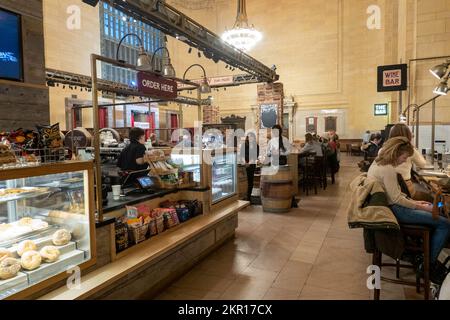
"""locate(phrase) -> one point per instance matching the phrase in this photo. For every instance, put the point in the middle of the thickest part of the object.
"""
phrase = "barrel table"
(276, 189)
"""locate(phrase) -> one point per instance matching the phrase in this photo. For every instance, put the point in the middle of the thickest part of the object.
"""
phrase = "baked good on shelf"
(61, 237)
(4, 227)
(24, 246)
(6, 155)
(38, 224)
(27, 221)
(49, 253)
(30, 260)
(5, 253)
(9, 267)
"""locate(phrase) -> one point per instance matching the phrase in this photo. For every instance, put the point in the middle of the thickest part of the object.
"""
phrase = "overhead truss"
(176, 24)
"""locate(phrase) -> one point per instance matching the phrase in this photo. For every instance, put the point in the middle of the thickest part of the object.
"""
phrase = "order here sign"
(156, 85)
(393, 78)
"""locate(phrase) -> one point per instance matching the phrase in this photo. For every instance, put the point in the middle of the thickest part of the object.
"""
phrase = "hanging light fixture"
(440, 70)
(442, 88)
(204, 86)
(143, 60)
(243, 36)
(167, 68)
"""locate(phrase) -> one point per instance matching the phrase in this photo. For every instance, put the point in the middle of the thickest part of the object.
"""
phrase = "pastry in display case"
(224, 168)
(46, 219)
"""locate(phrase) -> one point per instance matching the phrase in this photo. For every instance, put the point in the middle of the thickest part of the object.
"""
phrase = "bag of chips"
(50, 136)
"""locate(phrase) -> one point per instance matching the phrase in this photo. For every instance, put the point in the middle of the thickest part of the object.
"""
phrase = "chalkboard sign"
(268, 115)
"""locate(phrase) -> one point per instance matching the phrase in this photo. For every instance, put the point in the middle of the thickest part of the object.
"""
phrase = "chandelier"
(242, 36)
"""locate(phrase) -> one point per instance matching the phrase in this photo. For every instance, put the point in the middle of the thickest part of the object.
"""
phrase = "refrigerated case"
(188, 160)
(224, 166)
(36, 203)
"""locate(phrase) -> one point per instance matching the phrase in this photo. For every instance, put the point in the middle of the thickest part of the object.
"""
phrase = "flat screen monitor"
(10, 46)
(146, 182)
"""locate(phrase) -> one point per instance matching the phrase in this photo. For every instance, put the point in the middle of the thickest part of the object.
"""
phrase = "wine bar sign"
(156, 86)
(392, 78)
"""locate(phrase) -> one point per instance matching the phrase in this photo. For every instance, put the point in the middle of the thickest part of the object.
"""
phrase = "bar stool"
(417, 240)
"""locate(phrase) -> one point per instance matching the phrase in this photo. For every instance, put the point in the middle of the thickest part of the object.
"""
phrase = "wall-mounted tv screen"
(10, 46)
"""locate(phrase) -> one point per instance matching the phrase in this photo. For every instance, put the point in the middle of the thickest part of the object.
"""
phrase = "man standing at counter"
(132, 157)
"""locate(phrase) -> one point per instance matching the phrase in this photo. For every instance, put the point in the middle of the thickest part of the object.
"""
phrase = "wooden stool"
(417, 232)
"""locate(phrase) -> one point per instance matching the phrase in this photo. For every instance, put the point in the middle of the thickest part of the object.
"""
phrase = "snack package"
(50, 136)
(137, 222)
(143, 211)
(132, 212)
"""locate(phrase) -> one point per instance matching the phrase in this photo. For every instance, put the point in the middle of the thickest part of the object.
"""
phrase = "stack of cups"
(116, 191)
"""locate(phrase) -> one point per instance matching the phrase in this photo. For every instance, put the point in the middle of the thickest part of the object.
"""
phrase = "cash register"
(138, 182)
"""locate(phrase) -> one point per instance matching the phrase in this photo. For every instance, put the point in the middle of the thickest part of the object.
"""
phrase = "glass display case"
(224, 168)
(46, 221)
(188, 160)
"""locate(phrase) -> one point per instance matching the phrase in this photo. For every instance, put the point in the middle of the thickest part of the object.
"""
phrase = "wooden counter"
(152, 265)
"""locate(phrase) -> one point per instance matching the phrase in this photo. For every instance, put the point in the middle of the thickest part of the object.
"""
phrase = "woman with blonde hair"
(402, 130)
(395, 152)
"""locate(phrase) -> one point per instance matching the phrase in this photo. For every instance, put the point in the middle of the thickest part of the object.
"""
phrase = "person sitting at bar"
(132, 157)
(312, 146)
(416, 191)
(395, 152)
(248, 155)
(373, 147)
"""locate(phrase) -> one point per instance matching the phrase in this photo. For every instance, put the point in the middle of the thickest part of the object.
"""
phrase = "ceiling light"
(243, 36)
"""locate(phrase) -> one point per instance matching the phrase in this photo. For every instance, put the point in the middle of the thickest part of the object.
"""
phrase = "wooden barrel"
(78, 138)
(276, 189)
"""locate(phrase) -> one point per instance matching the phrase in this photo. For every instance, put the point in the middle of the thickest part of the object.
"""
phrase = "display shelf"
(28, 236)
(46, 270)
(13, 285)
(54, 192)
(32, 193)
(227, 177)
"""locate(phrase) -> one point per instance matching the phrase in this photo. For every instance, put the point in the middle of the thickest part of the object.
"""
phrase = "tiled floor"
(308, 253)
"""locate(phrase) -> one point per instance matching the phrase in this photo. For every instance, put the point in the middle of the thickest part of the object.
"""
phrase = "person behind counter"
(249, 154)
(395, 152)
(278, 147)
(132, 157)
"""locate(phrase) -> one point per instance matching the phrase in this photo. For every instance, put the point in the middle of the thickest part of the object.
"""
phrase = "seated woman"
(395, 152)
(416, 192)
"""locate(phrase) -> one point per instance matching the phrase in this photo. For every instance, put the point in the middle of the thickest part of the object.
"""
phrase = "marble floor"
(308, 253)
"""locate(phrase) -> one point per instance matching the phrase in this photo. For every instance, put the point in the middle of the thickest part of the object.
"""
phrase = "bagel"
(31, 260)
(9, 267)
(5, 253)
(49, 253)
(61, 237)
(27, 221)
(24, 246)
